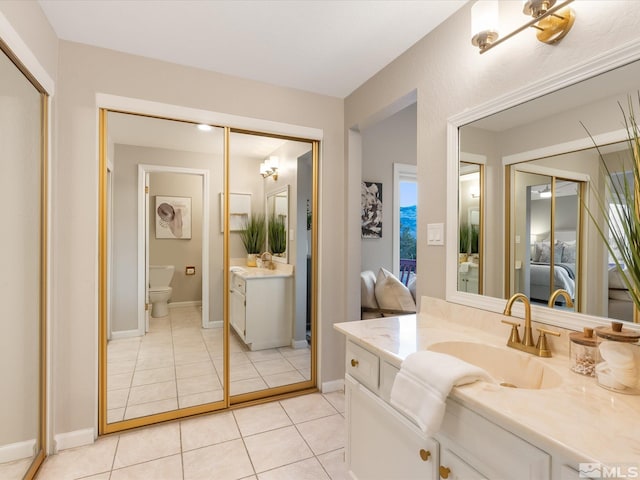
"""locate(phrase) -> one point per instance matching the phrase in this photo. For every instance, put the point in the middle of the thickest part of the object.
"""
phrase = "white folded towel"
(425, 379)
(464, 267)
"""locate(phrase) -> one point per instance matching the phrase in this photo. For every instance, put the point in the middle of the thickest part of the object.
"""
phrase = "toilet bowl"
(159, 290)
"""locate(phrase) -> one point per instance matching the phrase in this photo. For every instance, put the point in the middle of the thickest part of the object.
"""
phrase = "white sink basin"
(510, 368)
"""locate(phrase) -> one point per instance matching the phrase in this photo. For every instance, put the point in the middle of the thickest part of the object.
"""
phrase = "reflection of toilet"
(159, 290)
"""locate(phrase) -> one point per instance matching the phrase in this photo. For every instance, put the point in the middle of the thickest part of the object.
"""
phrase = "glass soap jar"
(584, 352)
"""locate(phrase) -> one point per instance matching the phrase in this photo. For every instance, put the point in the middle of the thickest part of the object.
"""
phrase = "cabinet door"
(237, 313)
(381, 443)
(453, 467)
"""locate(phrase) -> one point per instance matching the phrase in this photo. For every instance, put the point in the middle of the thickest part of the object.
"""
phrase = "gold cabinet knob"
(354, 362)
(424, 454)
(444, 472)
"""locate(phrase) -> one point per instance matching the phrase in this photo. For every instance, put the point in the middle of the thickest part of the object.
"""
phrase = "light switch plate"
(435, 234)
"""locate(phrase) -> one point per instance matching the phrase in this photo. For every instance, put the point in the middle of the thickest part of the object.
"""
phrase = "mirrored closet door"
(271, 198)
(207, 268)
(23, 113)
(162, 284)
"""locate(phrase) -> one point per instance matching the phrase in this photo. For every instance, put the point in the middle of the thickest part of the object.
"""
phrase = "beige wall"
(85, 71)
(392, 140)
(450, 76)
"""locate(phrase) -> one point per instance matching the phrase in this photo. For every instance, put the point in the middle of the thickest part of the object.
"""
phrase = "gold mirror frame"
(41, 452)
(228, 401)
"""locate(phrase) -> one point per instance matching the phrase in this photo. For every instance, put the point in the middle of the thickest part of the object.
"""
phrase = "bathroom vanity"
(545, 429)
(260, 309)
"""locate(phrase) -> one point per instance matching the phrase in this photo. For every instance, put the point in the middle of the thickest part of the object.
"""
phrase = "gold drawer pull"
(354, 362)
(444, 472)
(424, 454)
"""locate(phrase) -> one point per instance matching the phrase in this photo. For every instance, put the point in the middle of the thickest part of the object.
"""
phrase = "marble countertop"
(579, 419)
(249, 273)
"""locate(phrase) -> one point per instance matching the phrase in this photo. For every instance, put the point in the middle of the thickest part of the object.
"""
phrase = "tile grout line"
(244, 444)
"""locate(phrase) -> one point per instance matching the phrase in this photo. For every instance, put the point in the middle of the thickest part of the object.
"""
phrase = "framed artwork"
(173, 217)
(239, 211)
(371, 201)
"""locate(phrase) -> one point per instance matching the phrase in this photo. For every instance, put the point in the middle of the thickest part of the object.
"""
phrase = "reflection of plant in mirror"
(619, 207)
(308, 215)
(277, 235)
(465, 238)
(475, 236)
(253, 235)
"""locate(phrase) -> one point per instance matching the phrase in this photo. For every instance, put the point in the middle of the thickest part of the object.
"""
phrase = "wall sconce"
(269, 168)
(545, 193)
(552, 21)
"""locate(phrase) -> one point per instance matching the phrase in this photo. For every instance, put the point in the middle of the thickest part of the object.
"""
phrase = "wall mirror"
(187, 325)
(540, 157)
(277, 217)
(23, 126)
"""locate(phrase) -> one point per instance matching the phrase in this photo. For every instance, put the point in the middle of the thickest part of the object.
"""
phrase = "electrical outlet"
(190, 270)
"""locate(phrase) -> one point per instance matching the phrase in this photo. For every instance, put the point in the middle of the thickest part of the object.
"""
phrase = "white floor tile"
(203, 383)
(81, 461)
(271, 367)
(249, 385)
(195, 369)
(224, 461)
(309, 469)
(333, 463)
(208, 430)
(276, 448)
(200, 398)
(308, 407)
(153, 375)
(147, 444)
(324, 434)
(152, 393)
(167, 468)
(261, 418)
(286, 378)
(143, 409)
(336, 399)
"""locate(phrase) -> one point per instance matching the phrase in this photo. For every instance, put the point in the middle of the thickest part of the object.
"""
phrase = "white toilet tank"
(160, 275)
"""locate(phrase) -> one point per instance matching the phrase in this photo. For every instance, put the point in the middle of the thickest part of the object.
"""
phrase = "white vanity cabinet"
(384, 444)
(260, 310)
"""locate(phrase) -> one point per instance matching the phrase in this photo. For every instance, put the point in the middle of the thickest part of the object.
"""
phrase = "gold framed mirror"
(170, 341)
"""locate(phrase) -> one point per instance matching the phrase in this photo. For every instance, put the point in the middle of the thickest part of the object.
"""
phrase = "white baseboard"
(333, 386)
(17, 451)
(299, 344)
(125, 334)
(77, 438)
(191, 303)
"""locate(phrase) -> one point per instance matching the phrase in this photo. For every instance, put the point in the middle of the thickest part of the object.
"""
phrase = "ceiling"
(330, 47)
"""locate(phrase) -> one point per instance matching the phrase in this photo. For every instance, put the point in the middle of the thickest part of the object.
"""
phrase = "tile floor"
(178, 364)
(297, 438)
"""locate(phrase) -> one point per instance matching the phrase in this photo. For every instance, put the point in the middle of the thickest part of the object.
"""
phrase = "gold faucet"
(267, 263)
(541, 349)
(558, 293)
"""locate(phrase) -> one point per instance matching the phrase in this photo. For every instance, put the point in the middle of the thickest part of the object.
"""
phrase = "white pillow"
(368, 289)
(411, 285)
(392, 294)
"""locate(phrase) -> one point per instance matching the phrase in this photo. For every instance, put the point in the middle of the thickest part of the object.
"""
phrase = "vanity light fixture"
(269, 168)
(545, 192)
(552, 21)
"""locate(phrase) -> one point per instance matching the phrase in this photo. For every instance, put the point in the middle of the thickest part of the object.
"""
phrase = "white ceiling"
(330, 47)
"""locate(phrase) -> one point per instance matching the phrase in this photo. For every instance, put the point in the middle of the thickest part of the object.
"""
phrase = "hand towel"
(423, 383)
(464, 267)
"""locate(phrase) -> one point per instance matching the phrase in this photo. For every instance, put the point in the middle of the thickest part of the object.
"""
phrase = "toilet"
(159, 290)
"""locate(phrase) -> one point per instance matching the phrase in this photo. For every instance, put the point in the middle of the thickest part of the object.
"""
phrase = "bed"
(564, 269)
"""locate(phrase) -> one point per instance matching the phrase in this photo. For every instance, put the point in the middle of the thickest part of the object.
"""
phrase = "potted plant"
(253, 237)
(277, 235)
(619, 207)
(465, 242)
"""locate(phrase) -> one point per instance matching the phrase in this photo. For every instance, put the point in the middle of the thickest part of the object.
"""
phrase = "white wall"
(85, 71)
(450, 76)
(392, 140)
